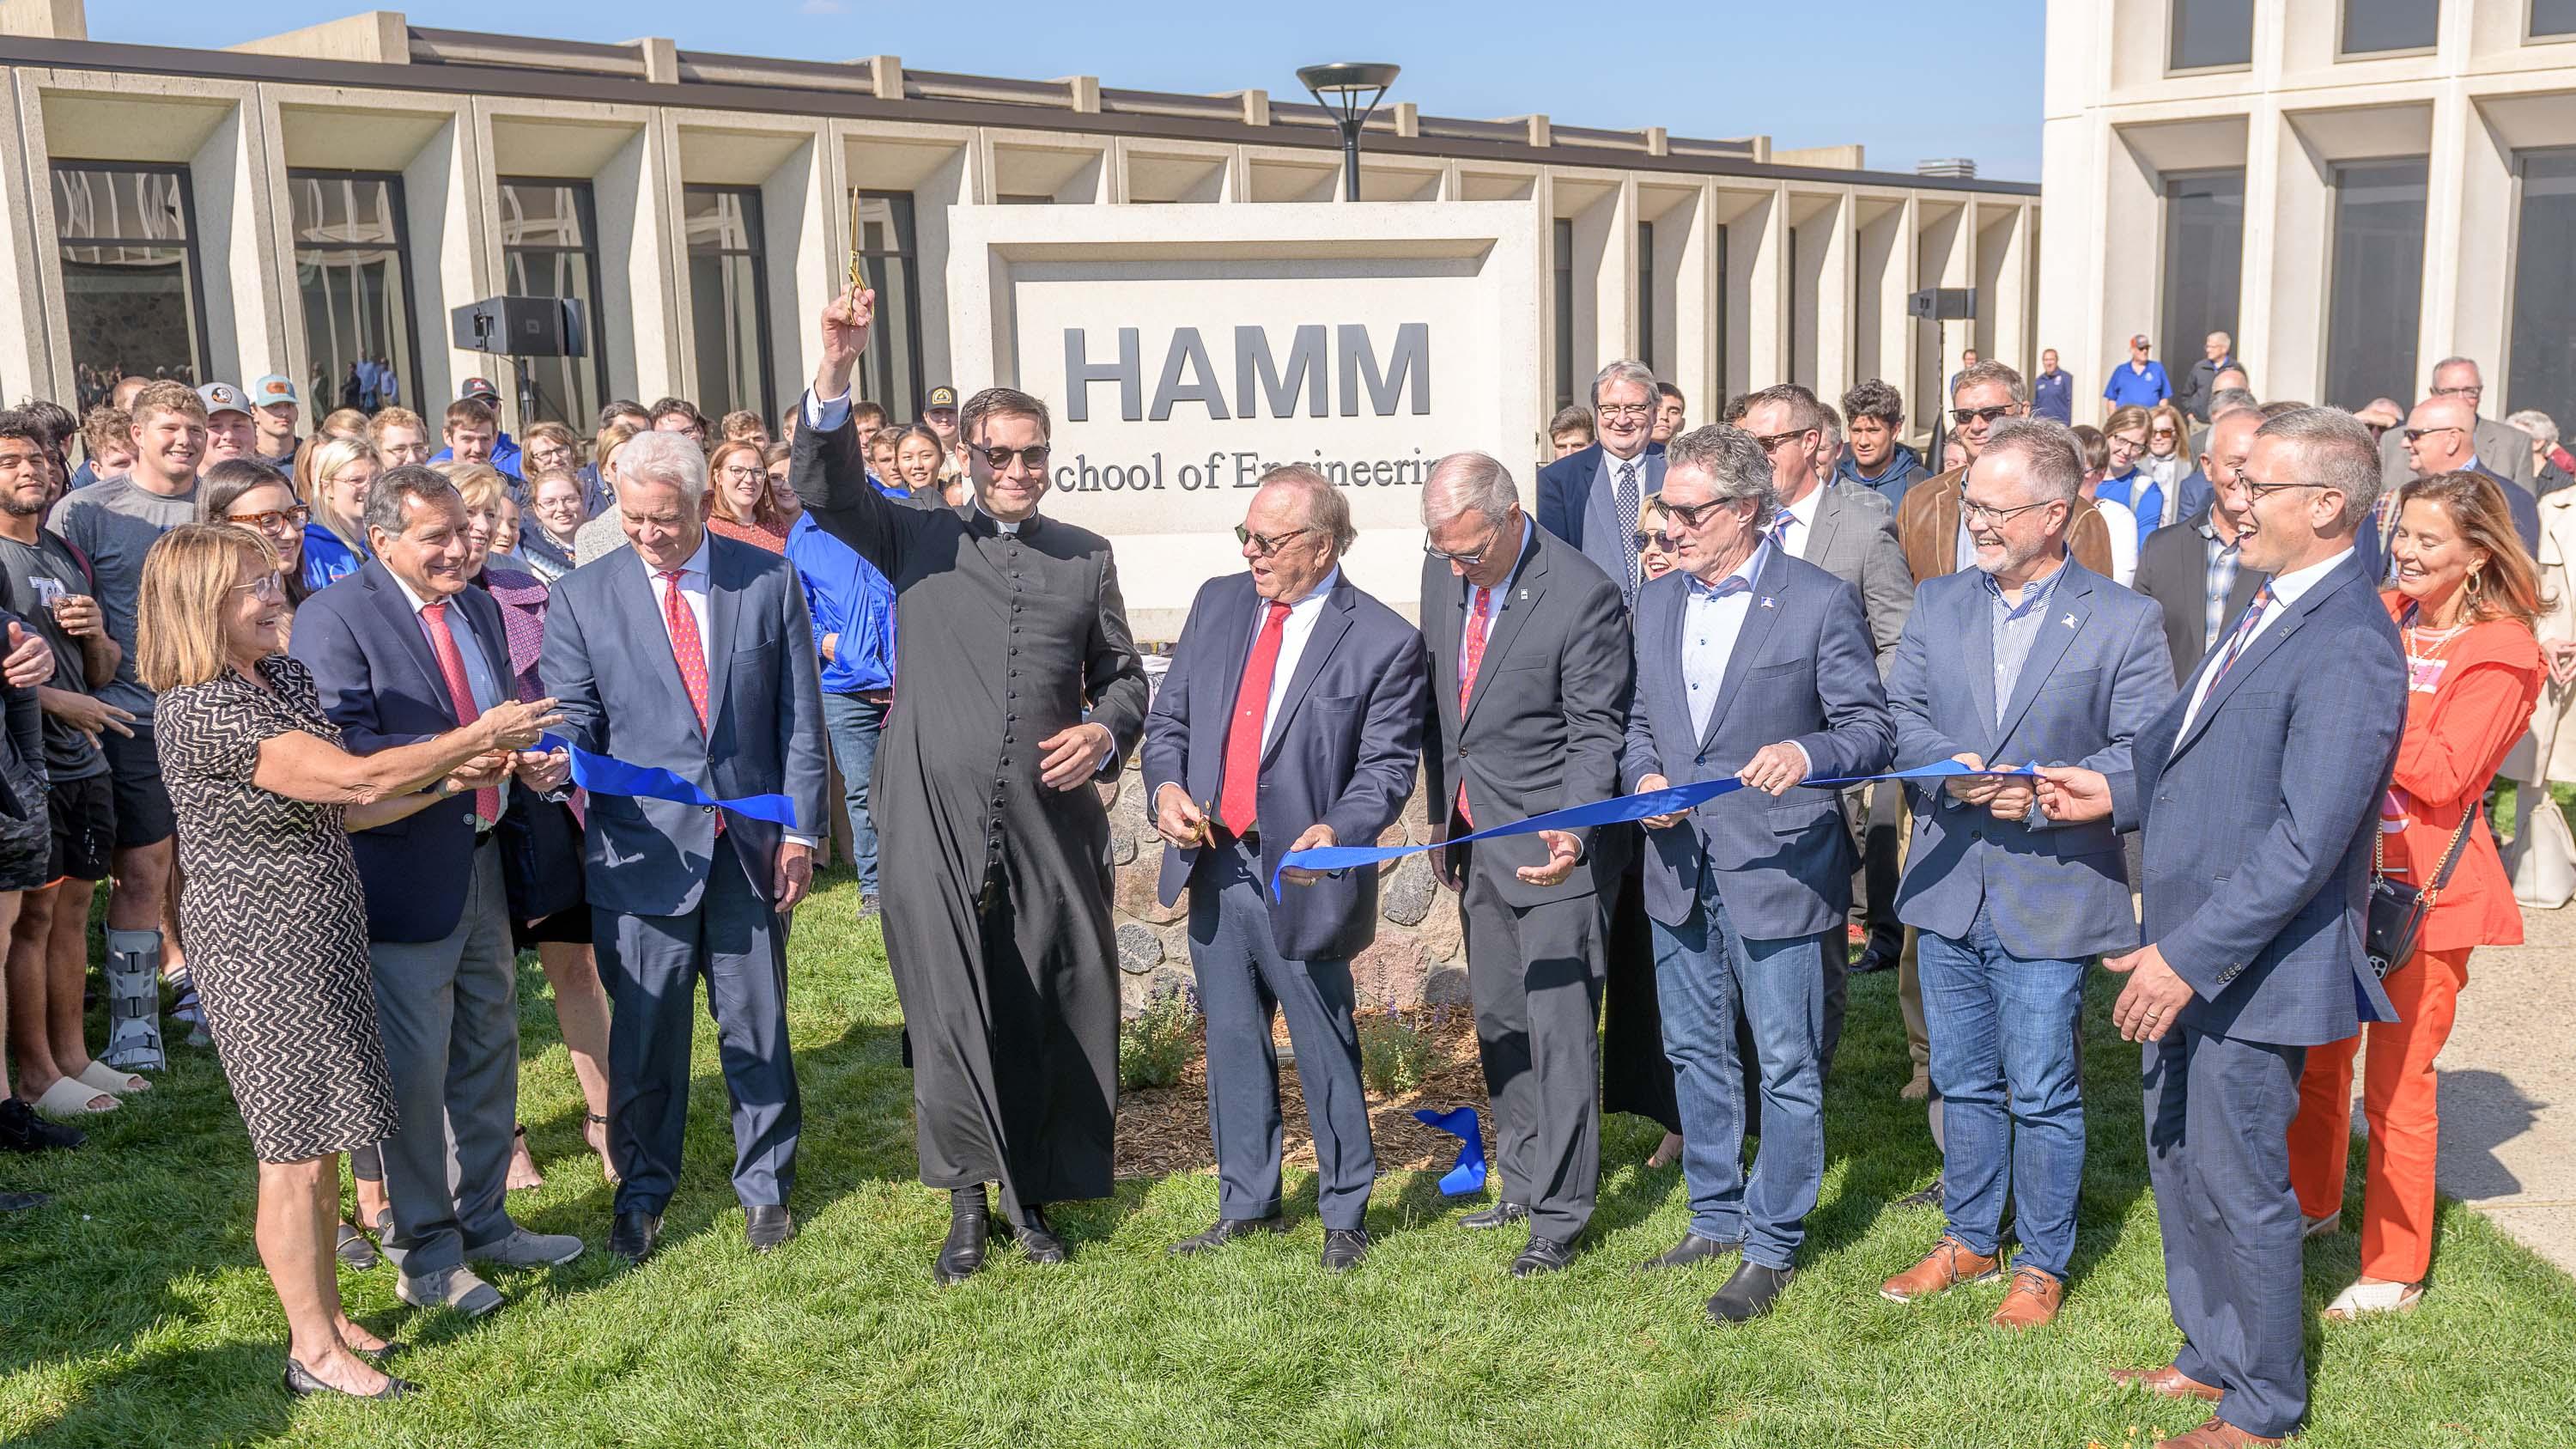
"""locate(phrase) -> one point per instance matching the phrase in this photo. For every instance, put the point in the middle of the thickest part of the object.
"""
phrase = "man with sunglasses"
(1927, 523)
(1021, 687)
(1291, 718)
(2139, 382)
(1591, 497)
(2028, 656)
(2492, 442)
(2439, 438)
(1752, 665)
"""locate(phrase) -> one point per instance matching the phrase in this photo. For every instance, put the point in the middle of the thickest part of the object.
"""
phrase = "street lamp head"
(1348, 89)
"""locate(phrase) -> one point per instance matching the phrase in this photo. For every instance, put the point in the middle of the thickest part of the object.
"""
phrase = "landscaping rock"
(1139, 949)
(1135, 899)
(1390, 972)
(1405, 892)
(1444, 933)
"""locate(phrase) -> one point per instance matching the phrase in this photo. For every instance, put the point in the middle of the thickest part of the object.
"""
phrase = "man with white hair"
(2493, 443)
(693, 653)
(2217, 355)
(1529, 683)
(1591, 498)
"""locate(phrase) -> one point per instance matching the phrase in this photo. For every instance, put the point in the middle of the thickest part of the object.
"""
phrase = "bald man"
(2441, 437)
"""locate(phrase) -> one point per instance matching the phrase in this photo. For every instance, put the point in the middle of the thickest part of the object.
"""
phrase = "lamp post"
(1350, 91)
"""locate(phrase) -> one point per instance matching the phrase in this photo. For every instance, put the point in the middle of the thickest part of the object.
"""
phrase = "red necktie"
(688, 650)
(460, 694)
(1237, 800)
(1479, 621)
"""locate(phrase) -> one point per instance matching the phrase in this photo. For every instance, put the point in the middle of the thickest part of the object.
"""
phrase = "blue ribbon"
(604, 775)
(1462, 1123)
(1670, 800)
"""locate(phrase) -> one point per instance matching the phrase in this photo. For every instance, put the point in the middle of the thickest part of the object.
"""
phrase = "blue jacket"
(1803, 669)
(2145, 389)
(2258, 820)
(2098, 672)
(2052, 396)
(1570, 508)
(326, 559)
(1904, 469)
(846, 596)
(1342, 752)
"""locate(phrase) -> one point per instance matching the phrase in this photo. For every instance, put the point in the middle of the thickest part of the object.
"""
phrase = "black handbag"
(2397, 910)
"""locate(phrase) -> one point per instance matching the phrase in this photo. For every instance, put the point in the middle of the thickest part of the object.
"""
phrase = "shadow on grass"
(231, 1391)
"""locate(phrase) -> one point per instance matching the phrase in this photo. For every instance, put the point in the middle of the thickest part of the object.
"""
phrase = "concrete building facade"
(2355, 189)
(315, 203)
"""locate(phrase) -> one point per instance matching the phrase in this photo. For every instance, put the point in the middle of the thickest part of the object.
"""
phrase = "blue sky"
(1906, 80)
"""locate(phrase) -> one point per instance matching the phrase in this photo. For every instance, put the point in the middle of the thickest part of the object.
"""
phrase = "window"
(1561, 237)
(2553, 17)
(2211, 33)
(1646, 293)
(2375, 294)
(2204, 257)
(2371, 26)
(130, 281)
(352, 269)
(550, 248)
(728, 298)
(890, 371)
(2540, 371)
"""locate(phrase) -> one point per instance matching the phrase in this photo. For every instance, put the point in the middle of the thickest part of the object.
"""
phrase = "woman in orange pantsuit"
(2464, 600)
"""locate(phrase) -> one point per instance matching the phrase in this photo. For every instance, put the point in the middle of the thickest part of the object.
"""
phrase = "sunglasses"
(1961, 417)
(2417, 435)
(1033, 457)
(1662, 542)
(1266, 544)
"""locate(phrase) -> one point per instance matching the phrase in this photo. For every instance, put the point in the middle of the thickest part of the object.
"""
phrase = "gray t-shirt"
(114, 524)
(38, 574)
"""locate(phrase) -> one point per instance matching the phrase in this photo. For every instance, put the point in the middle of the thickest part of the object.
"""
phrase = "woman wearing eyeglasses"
(2167, 459)
(1636, 1075)
(259, 498)
(739, 505)
(335, 541)
(2126, 481)
(2116, 517)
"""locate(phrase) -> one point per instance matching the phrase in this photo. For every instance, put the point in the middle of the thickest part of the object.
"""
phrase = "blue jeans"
(2003, 1061)
(853, 723)
(1705, 975)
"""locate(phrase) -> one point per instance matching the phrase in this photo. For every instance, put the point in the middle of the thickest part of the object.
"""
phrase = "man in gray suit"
(692, 653)
(2257, 791)
(1294, 703)
(2498, 445)
(1529, 685)
(2029, 656)
(1754, 665)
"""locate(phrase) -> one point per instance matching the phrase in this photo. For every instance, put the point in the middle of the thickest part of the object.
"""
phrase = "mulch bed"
(1165, 1129)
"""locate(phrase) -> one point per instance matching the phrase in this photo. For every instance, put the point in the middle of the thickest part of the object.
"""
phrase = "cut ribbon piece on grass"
(1468, 1176)
(604, 775)
(1624, 808)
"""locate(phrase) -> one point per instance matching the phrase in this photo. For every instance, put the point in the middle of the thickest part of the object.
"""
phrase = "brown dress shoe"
(1948, 1265)
(2166, 1383)
(2031, 1301)
(2216, 1434)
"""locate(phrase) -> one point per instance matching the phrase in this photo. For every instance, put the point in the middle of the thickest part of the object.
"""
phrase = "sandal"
(523, 1163)
(2367, 1298)
(607, 1169)
(70, 1099)
(102, 1077)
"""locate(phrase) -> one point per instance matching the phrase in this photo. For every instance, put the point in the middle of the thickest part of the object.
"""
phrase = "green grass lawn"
(133, 1312)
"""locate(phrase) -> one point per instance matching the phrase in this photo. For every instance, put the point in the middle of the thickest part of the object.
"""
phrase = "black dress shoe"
(1874, 959)
(1226, 1231)
(354, 1251)
(1038, 1238)
(1543, 1255)
(1500, 1215)
(21, 1130)
(18, 1202)
(970, 1226)
(1749, 1294)
(302, 1384)
(1930, 1197)
(1344, 1248)
(767, 1229)
(634, 1235)
(1694, 1249)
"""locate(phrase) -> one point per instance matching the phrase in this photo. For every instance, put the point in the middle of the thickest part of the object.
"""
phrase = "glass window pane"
(2210, 33)
(1561, 239)
(1646, 293)
(351, 268)
(727, 299)
(2374, 25)
(2376, 290)
(129, 277)
(2541, 371)
(545, 226)
(2204, 256)
(890, 374)
(2553, 17)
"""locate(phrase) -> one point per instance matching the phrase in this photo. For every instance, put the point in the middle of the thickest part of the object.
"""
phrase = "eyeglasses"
(295, 517)
(1659, 541)
(2160, 433)
(2131, 446)
(1692, 515)
(2260, 491)
(1961, 417)
(1033, 457)
(1976, 512)
(2416, 435)
(267, 588)
(744, 473)
(1625, 410)
(1469, 558)
(1266, 544)
(2472, 392)
(1774, 440)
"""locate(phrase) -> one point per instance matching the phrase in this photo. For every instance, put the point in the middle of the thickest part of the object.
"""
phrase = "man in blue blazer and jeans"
(2027, 657)
(1757, 666)
(1295, 705)
(2257, 791)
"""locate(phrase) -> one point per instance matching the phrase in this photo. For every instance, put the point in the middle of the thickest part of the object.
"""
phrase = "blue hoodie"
(1904, 469)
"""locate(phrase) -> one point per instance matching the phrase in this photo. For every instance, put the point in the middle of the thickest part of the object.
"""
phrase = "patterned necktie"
(2244, 634)
(686, 647)
(1779, 534)
(1237, 798)
(1628, 504)
(460, 695)
(1479, 621)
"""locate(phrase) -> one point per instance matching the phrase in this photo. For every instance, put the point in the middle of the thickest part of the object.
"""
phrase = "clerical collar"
(999, 525)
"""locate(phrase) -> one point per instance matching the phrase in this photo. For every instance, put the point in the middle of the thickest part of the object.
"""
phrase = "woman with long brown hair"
(2464, 601)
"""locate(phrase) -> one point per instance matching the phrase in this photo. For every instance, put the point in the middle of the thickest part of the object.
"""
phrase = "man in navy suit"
(1591, 497)
(2029, 656)
(402, 650)
(693, 653)
(1757, 666)
(2257, 791)
(1295, 704)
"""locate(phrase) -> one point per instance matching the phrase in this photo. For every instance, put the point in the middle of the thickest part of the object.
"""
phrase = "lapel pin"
(1766, 601)
(2068, 621)
(1524, 596)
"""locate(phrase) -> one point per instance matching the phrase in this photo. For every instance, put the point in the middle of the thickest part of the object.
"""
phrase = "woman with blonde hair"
(276, 919)
(2127, 481)
(2464, 599)
(335, 542)
(2168, 456)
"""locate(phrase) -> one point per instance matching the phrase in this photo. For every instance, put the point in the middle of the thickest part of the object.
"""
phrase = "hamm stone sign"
(1185, 349)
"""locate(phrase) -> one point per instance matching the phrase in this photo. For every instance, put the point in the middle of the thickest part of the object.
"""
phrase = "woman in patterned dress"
(272, 904)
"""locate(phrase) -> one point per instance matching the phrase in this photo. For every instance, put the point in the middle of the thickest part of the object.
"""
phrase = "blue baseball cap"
(275, 388)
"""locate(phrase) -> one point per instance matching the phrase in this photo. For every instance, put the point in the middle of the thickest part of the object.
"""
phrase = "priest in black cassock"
(1017, 687)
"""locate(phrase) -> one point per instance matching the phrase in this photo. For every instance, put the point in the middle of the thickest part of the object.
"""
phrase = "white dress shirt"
(1800, 531)
(693, 584)
(1300, 627)
(478, 669)
(2287, 589)
(1710, 626)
